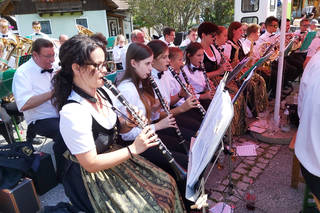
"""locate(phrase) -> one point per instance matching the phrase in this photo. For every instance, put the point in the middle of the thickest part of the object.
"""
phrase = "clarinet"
(178, 170)
(182, 141)
(200, 107)
(185, 76)
(206, 78)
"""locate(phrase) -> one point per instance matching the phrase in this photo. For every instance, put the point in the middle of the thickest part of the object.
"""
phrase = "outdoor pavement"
(269, 172)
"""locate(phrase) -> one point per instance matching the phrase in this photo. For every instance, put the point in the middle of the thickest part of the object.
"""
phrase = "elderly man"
(136, 36)
(32, 91)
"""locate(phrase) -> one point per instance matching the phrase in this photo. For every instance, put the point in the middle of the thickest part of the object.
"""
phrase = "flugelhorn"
(178, 170)
(189, 93)
(83, 30)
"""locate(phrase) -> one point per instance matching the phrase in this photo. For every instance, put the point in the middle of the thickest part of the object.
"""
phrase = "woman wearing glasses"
(99, 176)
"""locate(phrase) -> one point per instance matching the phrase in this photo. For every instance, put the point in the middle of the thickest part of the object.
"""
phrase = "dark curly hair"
(75, 50)
(207, 28)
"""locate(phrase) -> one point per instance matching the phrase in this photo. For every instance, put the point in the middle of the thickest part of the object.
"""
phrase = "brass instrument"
(178, 170)
(9, 46)
(185, 88)
(24, 46)
(83, 30)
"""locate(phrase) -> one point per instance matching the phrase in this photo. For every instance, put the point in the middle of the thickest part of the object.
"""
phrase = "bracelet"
(131, 156)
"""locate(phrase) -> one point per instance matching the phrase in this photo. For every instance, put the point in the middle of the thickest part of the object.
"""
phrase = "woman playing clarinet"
(100, 176)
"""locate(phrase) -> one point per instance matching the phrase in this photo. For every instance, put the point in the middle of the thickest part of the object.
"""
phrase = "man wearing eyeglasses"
(268, 38)
(32, 90)
(36, 26)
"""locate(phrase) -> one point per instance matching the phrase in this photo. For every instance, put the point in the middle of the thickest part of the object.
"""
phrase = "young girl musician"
(194, 73)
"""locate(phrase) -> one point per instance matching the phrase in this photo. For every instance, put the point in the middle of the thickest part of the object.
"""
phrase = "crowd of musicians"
(112, 144)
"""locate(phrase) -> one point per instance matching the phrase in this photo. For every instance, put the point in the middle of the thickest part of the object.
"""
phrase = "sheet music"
(246, 150)
(213, 127)
(237, 69)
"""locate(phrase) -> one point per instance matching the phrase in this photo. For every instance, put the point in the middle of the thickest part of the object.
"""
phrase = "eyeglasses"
(103, 65)
(275, 26)
(306, 25)
(47, 56)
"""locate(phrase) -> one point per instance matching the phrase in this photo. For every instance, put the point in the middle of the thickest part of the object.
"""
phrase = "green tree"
(179, 14)
(219, 12)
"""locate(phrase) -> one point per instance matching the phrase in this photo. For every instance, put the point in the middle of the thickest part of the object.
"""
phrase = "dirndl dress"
(135, 185)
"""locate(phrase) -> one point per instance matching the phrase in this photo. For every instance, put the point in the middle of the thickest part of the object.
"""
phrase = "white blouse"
(196, 79)
(116, 52)
(129, 91)
(76, 123)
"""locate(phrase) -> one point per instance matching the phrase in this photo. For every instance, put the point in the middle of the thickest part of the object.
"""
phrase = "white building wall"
(64, 24)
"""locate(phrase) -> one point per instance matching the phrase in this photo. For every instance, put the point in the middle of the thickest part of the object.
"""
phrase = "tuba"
(7, 49)
(83, 30)
(24, 46)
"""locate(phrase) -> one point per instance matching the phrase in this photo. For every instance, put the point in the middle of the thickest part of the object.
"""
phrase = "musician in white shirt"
(195, 75)
(267, 38)
(4, 30)
(116, 51)
(32, 90)
(253, 33)
(307, 144)
(36, 26)
(136, 36)
(168, 36)
(191, 37)
(135, 89)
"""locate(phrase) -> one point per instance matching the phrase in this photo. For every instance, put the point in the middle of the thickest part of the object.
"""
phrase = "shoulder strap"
(72, 101)
(104, 95)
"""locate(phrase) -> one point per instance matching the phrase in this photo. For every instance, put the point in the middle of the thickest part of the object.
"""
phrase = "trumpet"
(164, 105)
(178, 170)
(189, 93)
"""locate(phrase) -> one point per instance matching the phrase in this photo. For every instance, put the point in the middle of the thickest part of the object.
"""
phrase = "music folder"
(213, 127)
(237, 69)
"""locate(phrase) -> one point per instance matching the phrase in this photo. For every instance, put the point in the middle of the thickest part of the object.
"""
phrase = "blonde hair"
(118, 38)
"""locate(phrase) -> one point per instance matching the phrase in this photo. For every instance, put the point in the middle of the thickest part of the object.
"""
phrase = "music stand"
(237, 69)
(215, 124)
(213, 128)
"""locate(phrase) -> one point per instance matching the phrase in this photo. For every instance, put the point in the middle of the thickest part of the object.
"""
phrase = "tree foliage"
(219, 12)
(179, 14)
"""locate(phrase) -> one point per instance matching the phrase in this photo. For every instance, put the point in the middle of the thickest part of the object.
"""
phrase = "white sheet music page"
(213, 127)
(246, 150)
